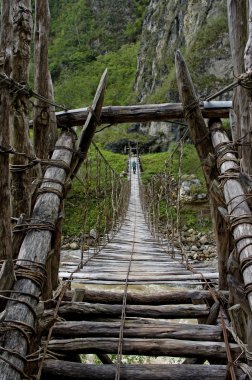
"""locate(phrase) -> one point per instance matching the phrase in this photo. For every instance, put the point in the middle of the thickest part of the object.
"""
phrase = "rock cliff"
(199, 28)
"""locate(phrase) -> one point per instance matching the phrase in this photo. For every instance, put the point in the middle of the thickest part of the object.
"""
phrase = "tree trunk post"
(238, 32)
(41, 117)
(21, 180)
(6, 39)
(200, 137)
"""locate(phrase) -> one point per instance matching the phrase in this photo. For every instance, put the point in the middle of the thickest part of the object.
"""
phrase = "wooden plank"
(136, 113)
(62, 370)
(162, 298)
(79, 310)
(145, 347)
(105, 276)
(137, 329)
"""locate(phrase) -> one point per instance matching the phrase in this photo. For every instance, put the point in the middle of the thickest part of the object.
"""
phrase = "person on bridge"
(134, 166)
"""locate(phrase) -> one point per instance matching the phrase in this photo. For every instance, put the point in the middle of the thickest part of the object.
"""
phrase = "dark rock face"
(199, 28)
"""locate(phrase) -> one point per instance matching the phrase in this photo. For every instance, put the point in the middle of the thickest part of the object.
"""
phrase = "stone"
(73, 246)
(203, 239)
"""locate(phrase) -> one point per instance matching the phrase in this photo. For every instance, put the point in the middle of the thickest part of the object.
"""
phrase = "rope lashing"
(15, 87)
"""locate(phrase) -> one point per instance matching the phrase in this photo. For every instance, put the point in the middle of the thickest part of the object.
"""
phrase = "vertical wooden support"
(21, 180)
(5, 102)
(238, 32)
(7, 273)
(43, 132)
(201, 138)
(239, 212)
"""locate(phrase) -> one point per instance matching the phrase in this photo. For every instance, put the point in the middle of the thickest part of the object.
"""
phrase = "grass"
(86, 198)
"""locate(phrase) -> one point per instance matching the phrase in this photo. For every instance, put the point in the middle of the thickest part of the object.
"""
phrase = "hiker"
(134, 166)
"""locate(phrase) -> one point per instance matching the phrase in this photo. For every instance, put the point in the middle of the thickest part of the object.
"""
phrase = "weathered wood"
(247, 150)
(132, 278)
(91, 122)
(238, 322)
(78, 310)
(41, 111)
(200, 137)
(235, 200)
(137, 329)
(53, 370)
(238, 32)
(21, 180)
(169, 297)
(134, 114)
(145, 347)
(5, 102)
(35, 248)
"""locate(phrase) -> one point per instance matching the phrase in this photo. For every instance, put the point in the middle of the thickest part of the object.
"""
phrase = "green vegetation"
(87, 197)
(86, 37)
(193, 214)
(77, 88)
(154, 163)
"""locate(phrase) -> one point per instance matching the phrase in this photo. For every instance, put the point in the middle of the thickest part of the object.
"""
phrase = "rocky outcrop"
(200, 29)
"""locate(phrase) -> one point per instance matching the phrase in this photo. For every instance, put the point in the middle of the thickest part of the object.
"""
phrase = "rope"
(123, 314)
(15, 87)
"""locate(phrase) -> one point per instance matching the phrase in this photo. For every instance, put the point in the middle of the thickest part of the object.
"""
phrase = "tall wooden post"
(238, 32)
(21, 180)
(7, 271)
(5, 102)
(201, 138)
(44, 130)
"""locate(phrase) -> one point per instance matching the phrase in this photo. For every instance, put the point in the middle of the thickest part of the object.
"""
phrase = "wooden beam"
(136, 114)
(92, 119)
(145, 347)
(137, 329)
(61, 370)
(169, 297)
(79, 310)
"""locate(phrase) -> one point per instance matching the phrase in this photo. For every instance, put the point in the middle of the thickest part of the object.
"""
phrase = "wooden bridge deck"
(168, 311)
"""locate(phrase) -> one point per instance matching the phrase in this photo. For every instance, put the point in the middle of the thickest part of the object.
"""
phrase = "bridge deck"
(162, 297)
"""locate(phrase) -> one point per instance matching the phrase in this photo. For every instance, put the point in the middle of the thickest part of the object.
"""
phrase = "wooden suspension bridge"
(143, 323)
(44, 336)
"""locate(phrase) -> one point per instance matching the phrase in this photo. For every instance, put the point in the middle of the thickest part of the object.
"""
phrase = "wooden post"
(200, 137)
(21, 180)
(41, 121)
(238, 210)
(238, 32)
(35, 248)
(5, 68)
(92, 120)
(7, 272)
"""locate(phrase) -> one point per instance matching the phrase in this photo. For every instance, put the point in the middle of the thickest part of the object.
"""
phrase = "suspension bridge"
(133, 295)
(125, 323)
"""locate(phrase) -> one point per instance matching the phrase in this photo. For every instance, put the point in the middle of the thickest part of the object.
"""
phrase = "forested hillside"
(86, 37)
